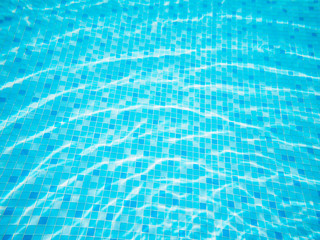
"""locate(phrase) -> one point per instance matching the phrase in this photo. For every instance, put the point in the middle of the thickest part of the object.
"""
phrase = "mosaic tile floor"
(159, 119)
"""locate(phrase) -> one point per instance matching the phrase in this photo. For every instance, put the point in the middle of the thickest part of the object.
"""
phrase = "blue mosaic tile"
(159, 119)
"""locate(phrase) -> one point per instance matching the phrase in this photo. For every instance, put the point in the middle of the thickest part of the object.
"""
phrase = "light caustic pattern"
(159, 119)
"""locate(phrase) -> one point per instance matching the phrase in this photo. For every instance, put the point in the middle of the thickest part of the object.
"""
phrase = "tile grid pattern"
(162, 120)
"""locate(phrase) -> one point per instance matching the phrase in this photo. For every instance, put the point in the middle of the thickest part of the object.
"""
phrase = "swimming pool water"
(159, 119)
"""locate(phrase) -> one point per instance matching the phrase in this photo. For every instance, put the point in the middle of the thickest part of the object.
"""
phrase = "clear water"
(159, 119)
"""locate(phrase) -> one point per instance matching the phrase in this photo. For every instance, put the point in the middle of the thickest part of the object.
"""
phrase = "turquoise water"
(159, 119)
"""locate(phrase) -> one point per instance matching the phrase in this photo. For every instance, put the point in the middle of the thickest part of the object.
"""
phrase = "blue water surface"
(159, 119)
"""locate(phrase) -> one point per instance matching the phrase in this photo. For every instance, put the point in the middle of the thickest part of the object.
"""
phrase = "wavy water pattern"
(159, 119)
